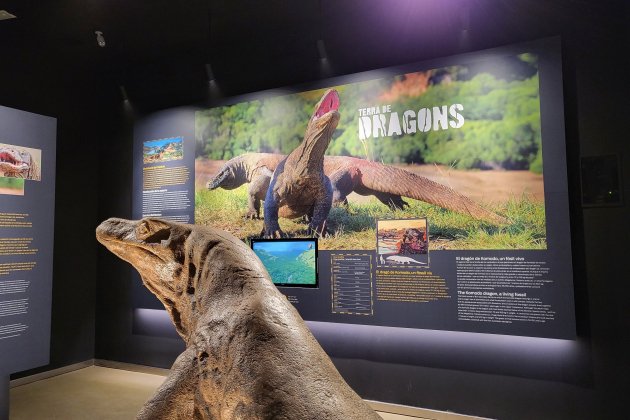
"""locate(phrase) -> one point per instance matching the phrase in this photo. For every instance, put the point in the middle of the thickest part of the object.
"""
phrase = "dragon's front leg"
(257, 190)
(271, 228)
(321, 208)
(175, 398)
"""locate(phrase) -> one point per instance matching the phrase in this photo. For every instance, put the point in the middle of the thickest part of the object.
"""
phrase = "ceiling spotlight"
(464, 18)
(100, 39)
(322, 49)
(209, 73)
(4, 15)
(123, 93)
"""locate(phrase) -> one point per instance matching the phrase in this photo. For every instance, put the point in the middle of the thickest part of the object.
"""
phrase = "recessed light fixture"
(100, 39)
(321, 48)
(209, 72)
(4, 15)
(123, 93)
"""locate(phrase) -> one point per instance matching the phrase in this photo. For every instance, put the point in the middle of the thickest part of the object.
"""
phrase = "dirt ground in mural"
(11, 191)
(489, 186)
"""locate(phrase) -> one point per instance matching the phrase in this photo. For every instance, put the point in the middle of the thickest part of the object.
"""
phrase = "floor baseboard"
(131, 367)
(424, 413)
(50, 373)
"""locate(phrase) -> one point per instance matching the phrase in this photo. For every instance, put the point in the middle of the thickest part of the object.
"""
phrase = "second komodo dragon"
(348, 174)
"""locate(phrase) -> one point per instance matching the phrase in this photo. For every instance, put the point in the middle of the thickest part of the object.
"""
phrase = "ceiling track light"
(123, 93)
(464, 18)
(4, 15)
(100, 39)
(209, 72)
(321, 48)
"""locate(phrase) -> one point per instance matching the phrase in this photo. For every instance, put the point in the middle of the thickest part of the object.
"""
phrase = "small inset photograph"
(163, 150)
(290, 262)
(402, 242)
(20, 162)
(11, 186)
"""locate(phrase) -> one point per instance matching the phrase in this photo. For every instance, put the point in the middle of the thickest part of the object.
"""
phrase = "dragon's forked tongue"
(329, 103)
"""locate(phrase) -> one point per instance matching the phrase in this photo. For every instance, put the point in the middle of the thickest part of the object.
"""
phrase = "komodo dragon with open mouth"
(15, 163)
(348, 174)
(249, 354)
(298, 186)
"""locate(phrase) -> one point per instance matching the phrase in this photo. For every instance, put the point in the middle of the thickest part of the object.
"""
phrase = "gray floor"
(94, 393)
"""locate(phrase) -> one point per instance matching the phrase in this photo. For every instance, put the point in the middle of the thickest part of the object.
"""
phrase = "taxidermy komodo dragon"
(249, 354)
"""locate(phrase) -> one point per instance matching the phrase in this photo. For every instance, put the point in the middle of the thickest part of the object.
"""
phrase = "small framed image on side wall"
(601, 181)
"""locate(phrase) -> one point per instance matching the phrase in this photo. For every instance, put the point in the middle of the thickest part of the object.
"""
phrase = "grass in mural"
(13, 183)
(355, 227)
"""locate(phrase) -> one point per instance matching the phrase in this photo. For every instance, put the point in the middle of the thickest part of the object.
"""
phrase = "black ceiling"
(158, 49)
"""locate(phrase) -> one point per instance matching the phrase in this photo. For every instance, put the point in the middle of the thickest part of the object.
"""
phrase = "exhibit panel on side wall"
(447, 180)
(27, 203)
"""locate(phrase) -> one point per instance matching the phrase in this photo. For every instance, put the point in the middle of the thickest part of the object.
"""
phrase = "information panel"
(441, 202)
(27, 203)
(351, 284)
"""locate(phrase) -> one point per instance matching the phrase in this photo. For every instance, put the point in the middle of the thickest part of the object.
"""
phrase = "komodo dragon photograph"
(298, 186)
(18, 163)
(306, 183)
(477, 179)
(347, 175)
(249, 355)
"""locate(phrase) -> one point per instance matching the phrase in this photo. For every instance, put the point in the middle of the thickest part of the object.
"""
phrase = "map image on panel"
(290, 262)
(162, 150)
(402, 242)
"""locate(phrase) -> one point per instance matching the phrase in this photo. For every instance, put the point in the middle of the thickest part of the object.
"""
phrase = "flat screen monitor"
(290, 262)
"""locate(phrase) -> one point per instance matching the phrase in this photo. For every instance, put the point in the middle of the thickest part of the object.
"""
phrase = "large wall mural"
(437, 191)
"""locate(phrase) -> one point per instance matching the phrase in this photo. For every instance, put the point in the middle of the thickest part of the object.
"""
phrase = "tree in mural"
(501, 109)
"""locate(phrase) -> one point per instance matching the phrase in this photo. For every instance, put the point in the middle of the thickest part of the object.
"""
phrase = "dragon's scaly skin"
(298, 186)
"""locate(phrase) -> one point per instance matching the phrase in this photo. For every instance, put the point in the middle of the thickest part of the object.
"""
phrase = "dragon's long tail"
(397, 181)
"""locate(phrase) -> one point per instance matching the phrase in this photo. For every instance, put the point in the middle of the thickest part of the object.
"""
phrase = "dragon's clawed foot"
(273, 232)
(252, 215)
(317, 231)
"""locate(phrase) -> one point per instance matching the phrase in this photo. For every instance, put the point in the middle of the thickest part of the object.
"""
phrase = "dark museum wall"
(253, 49)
